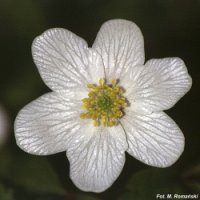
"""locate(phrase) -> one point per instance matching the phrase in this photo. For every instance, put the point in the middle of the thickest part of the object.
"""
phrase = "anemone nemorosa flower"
(104, 101)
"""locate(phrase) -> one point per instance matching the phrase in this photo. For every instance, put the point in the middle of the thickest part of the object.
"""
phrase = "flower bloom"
(104, 101)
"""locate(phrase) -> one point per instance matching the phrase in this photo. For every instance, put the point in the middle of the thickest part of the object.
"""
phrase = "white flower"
(123, 111)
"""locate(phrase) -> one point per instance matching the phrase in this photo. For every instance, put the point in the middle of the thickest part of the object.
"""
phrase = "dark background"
(170, 28)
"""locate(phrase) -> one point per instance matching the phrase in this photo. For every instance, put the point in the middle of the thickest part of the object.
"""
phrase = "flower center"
(105, 103)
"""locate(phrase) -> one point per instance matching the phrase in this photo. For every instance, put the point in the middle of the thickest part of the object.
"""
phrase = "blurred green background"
(170, 28)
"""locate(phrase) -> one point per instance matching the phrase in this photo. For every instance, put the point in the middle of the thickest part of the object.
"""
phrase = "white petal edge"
(154, 139)
(45, 126)
(158, 85)
(121, 46)
(97, 158)
(63, 59)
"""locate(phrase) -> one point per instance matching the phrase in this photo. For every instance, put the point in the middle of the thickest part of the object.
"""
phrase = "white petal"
(158, 85)
(97, 159)
(62, 59)
(45, 125)
(153, 139)
(95, 67)
(121, 45)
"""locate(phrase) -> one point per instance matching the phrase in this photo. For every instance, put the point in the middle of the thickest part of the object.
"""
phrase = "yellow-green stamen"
(104, 104)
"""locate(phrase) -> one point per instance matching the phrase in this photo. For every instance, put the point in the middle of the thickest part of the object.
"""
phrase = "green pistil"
(104, 102)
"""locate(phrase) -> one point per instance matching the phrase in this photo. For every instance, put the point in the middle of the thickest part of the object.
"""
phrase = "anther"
(104, 104)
